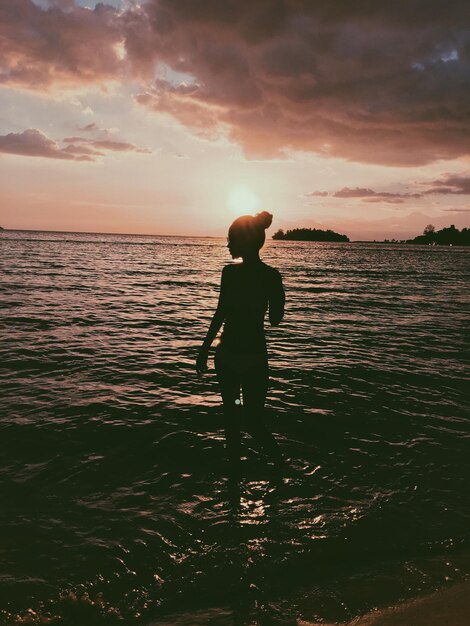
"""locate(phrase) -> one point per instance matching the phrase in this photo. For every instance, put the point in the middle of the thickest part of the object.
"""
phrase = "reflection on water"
(114, 496)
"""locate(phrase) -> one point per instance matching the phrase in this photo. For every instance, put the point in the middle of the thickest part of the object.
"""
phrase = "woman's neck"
(251, 259)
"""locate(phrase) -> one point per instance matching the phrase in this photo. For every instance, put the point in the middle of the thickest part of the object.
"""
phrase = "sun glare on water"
(243, 201)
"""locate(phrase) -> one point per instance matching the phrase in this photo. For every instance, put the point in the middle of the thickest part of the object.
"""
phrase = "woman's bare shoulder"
(272, 272)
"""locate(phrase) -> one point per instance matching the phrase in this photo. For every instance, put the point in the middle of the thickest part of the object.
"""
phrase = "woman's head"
(246, 235)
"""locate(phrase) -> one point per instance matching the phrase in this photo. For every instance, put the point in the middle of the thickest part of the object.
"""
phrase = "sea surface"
(113, 490)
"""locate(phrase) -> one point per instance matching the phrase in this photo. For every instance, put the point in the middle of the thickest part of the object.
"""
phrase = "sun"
(242, 200)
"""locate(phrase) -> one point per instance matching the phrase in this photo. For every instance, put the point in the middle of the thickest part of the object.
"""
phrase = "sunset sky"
(176, 116)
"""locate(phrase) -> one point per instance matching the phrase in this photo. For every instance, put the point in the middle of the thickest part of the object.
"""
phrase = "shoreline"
(449, 606)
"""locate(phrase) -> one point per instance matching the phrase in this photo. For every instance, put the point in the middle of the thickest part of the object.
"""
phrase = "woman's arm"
(277, 300)
(216, 323)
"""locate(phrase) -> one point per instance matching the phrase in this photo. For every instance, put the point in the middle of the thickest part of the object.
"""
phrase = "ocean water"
(113, 490)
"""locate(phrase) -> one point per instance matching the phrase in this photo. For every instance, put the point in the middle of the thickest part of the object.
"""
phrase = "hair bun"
(264, 219)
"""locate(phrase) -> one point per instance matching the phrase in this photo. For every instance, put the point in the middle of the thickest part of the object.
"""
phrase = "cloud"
(371, 82)
(204, 119)
(33, 142)
(63, 43)
(456, 210)
(450, 184)
(119, 146)
(367, 195)
(83, 150)
(320, 194)
(94, 128)
(447, 184)
(364, 81)
(90, 127)
(106, 144)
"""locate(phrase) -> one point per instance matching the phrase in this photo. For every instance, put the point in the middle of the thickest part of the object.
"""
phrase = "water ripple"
(112, 467)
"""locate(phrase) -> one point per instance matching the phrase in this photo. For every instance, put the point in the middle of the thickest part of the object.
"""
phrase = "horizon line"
(93, 232)
(90, 232)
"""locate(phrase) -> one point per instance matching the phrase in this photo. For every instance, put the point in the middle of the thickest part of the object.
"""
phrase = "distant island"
(450, 236)
(309, 234)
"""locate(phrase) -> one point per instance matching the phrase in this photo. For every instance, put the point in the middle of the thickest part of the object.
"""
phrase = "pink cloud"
(106, 144)
(33, 142)
(90, 127)
(365, 82)
(202, 118)
(464, 210)
(61, 44)
(370, 82)
(83, 150)
(94, 128)
(358, 192)
(450, 184)
(367, 195)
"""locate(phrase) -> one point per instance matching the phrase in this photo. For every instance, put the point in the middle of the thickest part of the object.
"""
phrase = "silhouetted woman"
(247, 290)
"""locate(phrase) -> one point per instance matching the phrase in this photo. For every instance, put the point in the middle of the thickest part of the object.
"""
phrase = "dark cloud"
(33, 142)
(450, 184)
(363, 80)
(367, 81)
(62, 43)
(367, 195)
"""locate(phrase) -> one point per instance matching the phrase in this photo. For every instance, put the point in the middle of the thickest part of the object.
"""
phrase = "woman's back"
(247, 290)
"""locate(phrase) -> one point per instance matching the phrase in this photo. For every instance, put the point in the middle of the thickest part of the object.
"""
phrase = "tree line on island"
(449, 236)
(309, 234)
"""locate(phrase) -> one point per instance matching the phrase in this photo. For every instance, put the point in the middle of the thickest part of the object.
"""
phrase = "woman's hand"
(201, 361)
